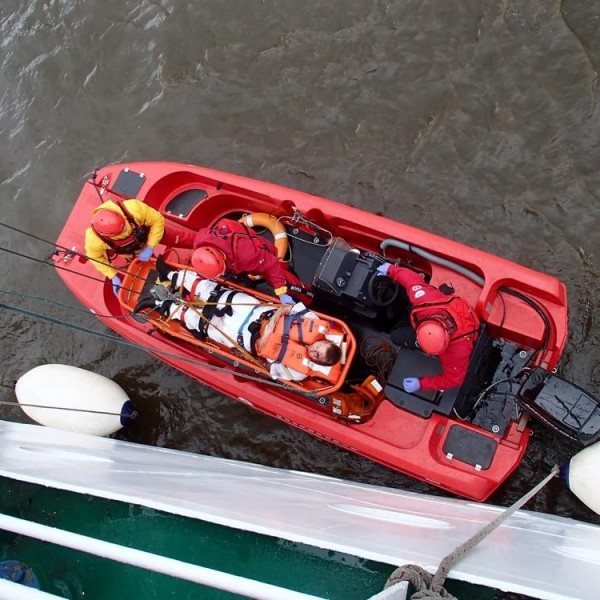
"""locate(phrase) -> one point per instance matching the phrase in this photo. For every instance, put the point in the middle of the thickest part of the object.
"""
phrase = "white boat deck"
(543, 556)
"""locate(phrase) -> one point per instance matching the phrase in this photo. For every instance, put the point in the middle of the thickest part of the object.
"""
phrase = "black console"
(348, 276)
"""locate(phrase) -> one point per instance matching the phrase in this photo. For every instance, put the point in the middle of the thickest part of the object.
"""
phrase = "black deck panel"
(470, 447)
(182, 204)
(128, 184)
(414, 363)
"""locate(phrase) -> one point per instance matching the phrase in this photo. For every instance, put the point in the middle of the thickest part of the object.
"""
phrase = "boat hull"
(193, 197)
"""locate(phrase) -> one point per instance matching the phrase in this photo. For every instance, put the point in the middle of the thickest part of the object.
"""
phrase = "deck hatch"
(470, 447)
(128, 184)
(182, 204)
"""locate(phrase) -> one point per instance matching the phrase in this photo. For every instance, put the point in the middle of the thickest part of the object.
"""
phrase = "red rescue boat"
(466, 440)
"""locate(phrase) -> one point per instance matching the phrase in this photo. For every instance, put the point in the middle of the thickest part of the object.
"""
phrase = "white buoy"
(583, 476)
(73, 399)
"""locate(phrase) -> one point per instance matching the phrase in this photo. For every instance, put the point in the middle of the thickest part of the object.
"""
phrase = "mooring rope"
(420, 580)
(431, 586)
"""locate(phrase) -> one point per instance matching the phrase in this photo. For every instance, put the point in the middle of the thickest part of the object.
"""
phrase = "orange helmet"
(208, 262)
(432, 336)
(108, 223)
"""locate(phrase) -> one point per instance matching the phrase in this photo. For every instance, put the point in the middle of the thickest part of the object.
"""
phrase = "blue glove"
(383, 269)
(146, 253)
(116, 283)
(411, 384)
(286, 299)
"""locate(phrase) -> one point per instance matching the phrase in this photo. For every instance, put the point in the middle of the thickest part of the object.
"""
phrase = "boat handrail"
(17, 591)
(153, 562)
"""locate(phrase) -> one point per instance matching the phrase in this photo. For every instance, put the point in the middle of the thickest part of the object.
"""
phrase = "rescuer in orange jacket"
(235, 247)
(445, 326)
(126, 228)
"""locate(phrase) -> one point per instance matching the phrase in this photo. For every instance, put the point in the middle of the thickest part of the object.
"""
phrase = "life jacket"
(287, 342)
(230, 230)
(134, 241)
(455, 314)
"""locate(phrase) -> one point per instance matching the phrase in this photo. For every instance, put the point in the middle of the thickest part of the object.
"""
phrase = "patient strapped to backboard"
(285, 342)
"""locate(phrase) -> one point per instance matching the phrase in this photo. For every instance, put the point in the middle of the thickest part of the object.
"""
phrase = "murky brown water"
(477, 120)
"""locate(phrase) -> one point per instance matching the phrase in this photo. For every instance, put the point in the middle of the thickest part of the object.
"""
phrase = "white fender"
(61, 387)
(583, 476)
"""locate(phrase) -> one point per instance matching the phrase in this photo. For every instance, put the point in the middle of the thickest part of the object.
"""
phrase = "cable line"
(83, 410)
(149, 349)
(64, 249)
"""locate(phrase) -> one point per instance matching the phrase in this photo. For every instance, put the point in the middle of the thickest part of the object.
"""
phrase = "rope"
(380, 355)
(149, 349)
(83, 410)
(58, 247)
(192, 306)
(420, 579)
(429, 586)
(63, 305)
(249, 357)
(55, 265)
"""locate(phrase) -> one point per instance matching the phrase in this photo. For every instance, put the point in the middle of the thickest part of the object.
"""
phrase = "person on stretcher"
(293, 340)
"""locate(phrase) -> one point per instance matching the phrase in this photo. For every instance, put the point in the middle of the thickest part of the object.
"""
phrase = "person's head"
(324, 352)
(433, 336)
(108, 223)
(208, 262)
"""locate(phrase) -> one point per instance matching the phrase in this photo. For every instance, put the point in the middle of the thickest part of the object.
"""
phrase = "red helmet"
(108, 223)
(432, 336)
(208, 262)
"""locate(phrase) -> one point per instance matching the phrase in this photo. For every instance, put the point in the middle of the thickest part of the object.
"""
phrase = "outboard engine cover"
(562, 406)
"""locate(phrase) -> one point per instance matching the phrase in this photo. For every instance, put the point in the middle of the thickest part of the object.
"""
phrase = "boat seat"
(415, 363)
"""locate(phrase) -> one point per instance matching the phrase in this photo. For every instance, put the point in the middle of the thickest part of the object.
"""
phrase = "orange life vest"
(287, 342)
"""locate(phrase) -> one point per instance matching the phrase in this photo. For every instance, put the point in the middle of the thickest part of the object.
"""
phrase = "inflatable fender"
(73, 399)
(582, 475)
(18, 572)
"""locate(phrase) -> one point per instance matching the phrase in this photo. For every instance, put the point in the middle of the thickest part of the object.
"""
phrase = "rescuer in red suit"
(235, 247)
(445, 325)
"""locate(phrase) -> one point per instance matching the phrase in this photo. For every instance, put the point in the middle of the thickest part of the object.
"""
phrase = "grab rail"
(147, 560)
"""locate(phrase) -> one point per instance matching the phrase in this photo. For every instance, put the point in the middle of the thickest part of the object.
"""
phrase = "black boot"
(163, 268)
(147, 302)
